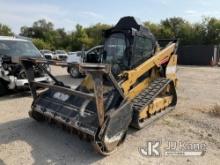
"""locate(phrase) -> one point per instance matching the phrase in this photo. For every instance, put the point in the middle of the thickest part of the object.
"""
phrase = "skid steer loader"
(131, 83)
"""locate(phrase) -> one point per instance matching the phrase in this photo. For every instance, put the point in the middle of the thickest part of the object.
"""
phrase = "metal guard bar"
(64, 89)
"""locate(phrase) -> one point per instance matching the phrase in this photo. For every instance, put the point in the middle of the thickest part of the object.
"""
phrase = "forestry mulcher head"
(132, 82)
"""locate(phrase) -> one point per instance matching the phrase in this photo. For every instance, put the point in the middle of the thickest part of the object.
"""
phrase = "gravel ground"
(196, 119)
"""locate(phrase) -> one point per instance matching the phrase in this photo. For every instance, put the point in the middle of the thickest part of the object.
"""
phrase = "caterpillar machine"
(131, 83)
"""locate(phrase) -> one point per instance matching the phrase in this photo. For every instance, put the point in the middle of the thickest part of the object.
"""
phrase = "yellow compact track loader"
(131, 83)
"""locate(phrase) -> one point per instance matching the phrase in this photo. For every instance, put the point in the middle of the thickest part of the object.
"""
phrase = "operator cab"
(127, 45)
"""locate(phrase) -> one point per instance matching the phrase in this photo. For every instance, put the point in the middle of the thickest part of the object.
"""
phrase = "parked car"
(12, 73)
(47, 54)
(75, 58)
(60, 55)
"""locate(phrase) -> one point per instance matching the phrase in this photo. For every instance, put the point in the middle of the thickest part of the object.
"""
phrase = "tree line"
(45, 36)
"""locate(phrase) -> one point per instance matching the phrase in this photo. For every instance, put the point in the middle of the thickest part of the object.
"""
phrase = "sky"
(67, 13)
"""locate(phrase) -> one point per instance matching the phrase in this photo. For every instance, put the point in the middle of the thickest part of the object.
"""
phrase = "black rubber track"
(147, 96)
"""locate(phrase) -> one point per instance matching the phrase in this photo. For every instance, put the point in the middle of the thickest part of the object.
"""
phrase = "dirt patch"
(215, 111)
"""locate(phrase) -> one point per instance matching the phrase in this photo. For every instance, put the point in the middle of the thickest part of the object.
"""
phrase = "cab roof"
(127, 24)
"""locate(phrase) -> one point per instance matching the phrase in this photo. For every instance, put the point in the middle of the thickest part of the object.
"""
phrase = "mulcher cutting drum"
(79, 115)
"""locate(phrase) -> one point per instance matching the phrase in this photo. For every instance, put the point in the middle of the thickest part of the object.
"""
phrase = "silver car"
(75, 58)
(60, 55)
(47, 54)
(12, 73)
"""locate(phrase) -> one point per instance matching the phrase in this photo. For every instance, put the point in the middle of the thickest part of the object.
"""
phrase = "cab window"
(115, 47)
(143, 48)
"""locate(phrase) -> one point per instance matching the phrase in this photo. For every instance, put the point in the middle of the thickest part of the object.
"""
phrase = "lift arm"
(157, 60)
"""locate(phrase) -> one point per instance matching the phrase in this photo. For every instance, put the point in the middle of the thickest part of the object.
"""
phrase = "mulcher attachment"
(102, 118)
